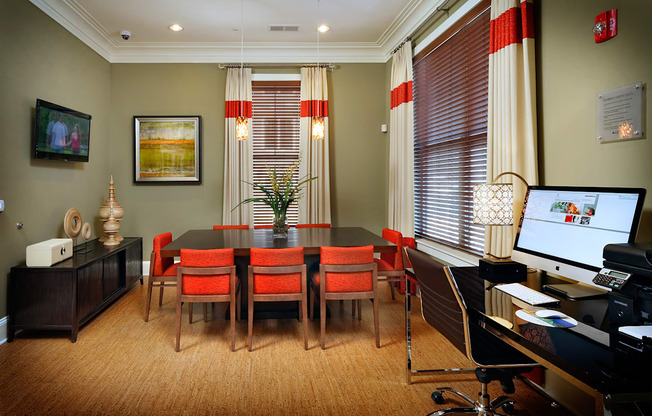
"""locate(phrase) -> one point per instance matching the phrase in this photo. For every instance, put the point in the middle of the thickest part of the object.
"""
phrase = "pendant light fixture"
(317, 119)
(241, 128)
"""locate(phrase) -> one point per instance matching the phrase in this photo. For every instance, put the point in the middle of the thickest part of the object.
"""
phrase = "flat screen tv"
(563, 230)
(61, 133)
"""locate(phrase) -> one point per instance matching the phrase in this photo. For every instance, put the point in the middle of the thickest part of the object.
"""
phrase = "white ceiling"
(361, 30)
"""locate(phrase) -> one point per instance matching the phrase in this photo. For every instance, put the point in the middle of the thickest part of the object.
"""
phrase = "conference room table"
(591, 355)
(241, 241)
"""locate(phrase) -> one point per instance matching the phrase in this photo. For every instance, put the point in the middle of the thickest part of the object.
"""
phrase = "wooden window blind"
(275, 137)
(450, 136)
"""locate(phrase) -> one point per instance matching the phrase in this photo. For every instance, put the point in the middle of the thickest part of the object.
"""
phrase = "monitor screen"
(563, 230)
(61, 133)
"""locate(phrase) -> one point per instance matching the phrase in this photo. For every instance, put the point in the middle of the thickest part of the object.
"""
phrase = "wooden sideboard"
(66, 295)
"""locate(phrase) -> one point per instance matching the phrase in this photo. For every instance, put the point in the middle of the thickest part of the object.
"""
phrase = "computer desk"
(584, 355)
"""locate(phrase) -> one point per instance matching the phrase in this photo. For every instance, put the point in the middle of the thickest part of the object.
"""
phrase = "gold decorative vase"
(111, 206)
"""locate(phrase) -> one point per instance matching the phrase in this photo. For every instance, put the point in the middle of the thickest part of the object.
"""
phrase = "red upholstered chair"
(313, 225)
(390, 265)
(278, 275)
(411, 243)
(345, 273)
(207, 276)
(230, 227)
(162, 270)
(264, 226)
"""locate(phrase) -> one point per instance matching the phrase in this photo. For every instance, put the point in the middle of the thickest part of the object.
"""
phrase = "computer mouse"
(550, 314)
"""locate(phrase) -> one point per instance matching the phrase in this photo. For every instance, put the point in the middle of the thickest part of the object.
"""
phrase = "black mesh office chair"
(444, 309)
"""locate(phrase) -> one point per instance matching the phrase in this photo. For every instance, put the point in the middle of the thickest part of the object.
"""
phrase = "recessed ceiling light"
(176, 28)
(323, 28)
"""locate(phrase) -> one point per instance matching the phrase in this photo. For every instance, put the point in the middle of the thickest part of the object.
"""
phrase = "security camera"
(125, 34)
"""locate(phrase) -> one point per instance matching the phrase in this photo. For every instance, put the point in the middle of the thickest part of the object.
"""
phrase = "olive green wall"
(571, 71)
(40, 59)
(358, 149)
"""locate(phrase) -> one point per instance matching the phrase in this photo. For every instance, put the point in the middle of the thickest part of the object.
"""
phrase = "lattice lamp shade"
(493, 204)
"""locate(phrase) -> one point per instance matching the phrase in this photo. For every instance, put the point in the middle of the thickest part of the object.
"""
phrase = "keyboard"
(525, 294)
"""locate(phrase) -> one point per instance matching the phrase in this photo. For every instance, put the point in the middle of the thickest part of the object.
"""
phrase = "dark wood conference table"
(311, 239)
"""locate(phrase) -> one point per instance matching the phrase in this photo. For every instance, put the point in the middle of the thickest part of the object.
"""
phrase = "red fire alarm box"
(606, 25)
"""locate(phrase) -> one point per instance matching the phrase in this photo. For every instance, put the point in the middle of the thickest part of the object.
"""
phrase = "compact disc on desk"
(533, 318)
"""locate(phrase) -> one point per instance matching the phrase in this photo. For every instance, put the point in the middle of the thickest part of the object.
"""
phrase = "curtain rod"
(225, 66)
(440, 8)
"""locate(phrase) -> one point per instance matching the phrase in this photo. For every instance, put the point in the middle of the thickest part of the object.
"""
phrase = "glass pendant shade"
(493, 204)
(318, 128)
(241, 129)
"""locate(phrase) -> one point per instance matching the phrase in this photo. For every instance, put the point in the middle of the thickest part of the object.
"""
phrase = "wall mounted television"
(61, 133)
(563, 230)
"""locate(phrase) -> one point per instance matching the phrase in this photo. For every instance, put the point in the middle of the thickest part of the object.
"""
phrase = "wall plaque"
(620, 114)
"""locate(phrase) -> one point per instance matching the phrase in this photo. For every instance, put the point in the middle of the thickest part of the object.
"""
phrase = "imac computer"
(563, 230)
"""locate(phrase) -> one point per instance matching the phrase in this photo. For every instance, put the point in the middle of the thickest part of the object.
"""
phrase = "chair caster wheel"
(437, 397)
(509, 408)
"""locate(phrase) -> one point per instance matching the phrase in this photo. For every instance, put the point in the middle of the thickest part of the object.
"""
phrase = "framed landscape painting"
(167, 149)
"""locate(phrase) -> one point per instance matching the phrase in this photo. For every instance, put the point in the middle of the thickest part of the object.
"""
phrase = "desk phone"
(612, 279)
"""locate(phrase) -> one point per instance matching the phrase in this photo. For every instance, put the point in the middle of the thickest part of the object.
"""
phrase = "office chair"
(443, 308)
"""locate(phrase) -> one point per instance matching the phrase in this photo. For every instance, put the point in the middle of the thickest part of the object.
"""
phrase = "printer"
(631, 303)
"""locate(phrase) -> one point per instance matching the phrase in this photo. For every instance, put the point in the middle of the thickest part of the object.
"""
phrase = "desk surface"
(311, 239)
(586, 352)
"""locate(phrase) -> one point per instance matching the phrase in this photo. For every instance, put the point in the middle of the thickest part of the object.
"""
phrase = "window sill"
(447, 254)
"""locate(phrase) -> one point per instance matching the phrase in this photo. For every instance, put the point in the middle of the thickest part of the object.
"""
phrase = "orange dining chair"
(278, 275)
(263, 226)
(162, 270)
(390, 265)
(323, 225)
(207, 276)
(345, 273)
(230, 227)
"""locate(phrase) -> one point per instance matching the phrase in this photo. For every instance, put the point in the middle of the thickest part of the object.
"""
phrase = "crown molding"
(75, 19)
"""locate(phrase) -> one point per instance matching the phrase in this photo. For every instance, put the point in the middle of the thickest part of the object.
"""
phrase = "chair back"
(230, 227)
(206, 272)
(161, 263)
(441, 306)
(352, 280)
(322, 225)
(263, 226)
(395, 259)
(276, 282)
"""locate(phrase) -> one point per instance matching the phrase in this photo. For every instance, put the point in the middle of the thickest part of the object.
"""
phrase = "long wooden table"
(311, 239)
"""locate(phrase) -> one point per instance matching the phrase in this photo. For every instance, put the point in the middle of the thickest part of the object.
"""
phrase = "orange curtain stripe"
(311, 108)
(233, 109)
(402, 94)
(512, 26)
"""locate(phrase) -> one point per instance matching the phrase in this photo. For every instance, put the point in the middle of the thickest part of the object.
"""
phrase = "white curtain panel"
(315, 203)
(511, 131)
(238, 159)
(401, 144)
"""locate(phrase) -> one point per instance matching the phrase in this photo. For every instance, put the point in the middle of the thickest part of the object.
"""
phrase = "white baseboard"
(146, 268)
(3, 330)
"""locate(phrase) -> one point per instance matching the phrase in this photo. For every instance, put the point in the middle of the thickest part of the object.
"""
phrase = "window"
(275, 137)
(450, 135)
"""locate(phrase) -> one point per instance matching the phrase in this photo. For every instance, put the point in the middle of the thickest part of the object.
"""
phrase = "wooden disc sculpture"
(111, 205)
(86, 231)
(72, 223)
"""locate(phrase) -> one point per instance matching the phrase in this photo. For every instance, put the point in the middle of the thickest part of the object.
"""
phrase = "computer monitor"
(563, 230)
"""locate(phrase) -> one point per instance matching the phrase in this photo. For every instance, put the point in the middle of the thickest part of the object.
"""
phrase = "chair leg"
(304, 308)
(359, 303)
(376, 323)
(178, 325)
(250, 322)
(205, 312)
(190, 312)
(353, 303)
(322, 321)
(232, 305)
(149, 297)
(238, 306)
(312, 303)
(391, 288)
(160, 296)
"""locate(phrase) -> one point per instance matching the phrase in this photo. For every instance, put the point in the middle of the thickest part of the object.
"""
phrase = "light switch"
(2, 205)
(383, 128)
